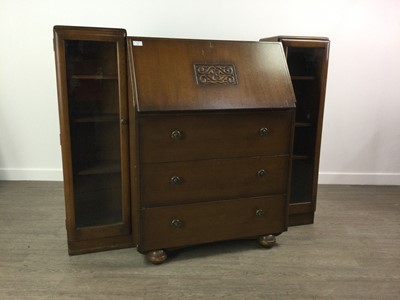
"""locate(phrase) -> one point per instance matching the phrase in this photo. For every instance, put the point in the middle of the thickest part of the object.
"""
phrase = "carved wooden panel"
(215, 74)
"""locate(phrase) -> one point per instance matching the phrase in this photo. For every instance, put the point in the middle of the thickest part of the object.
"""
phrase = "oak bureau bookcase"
(168, 143)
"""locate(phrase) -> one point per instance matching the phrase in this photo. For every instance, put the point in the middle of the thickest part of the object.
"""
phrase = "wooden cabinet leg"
(156, 257)
(267, 241)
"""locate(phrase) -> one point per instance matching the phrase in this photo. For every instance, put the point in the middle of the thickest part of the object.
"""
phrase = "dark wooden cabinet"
(307, 59)
(91, 80)
(168, 143)
(213, 127)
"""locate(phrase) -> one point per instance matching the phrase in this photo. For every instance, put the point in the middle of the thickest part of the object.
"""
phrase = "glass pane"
(301, 184)
(97, 199)
(304, 61)
(91, 58)
(95, 132)
(304, 141)
(307, 100)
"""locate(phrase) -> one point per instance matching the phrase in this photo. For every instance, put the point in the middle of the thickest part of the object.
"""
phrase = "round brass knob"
(176, 180)
(263, 131)
(259, 213)
(124, 121)
(176, 223)
(176, 135)
(261, 173)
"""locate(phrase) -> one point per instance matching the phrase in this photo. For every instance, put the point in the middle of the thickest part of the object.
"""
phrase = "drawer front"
(188, 137)
(183, 225)
(216, 179)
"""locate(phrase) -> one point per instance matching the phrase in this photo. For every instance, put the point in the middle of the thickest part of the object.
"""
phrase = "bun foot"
(156, 257)
(267, 241)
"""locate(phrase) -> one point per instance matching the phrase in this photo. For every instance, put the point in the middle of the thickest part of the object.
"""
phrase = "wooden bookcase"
(149, 155)
(307, 59)
(91, 80)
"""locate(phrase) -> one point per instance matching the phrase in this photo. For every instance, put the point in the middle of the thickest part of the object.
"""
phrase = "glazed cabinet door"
(307, 60)
(91, 80)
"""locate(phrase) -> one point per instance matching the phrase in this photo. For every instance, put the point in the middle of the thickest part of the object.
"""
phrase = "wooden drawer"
(215, 179)
(182, 225)
(174, 137)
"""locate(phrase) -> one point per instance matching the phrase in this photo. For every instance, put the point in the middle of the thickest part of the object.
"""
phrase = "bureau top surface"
(178, 74)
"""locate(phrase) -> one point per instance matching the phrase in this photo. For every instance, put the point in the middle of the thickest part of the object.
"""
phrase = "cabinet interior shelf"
(298, 77)
(94, 77)
(96, 118)
(104, 167)
(300, 157)
(303, 124)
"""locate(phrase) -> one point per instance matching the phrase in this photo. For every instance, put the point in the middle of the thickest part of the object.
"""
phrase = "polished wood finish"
(91, 82)
(224, 179)
(307, 59)
(169, 65)
(267, 241)
(202, 128)
(212, 221)
(199, 142)
(156, 257)
(214, 140)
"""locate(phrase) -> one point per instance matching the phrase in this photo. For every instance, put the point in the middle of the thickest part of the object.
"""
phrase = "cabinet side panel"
(133, 145)
(62, 94)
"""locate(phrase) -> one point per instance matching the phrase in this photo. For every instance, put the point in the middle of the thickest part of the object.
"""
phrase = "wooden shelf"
(105, 167)
(94, 77)
(300, 157)
(296, 77)
(303, 124)
(96, 118)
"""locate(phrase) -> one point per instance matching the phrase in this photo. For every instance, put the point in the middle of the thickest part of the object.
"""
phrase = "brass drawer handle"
(263, 131)
(260, 213)
(176, 223)
(176, 135)
(176, 180)
(261, 173)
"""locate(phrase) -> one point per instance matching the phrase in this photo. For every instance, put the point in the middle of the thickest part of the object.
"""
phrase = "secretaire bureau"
(168, 143)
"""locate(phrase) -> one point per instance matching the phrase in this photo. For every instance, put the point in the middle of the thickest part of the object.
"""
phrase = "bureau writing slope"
(169, 143)
(307, 59)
